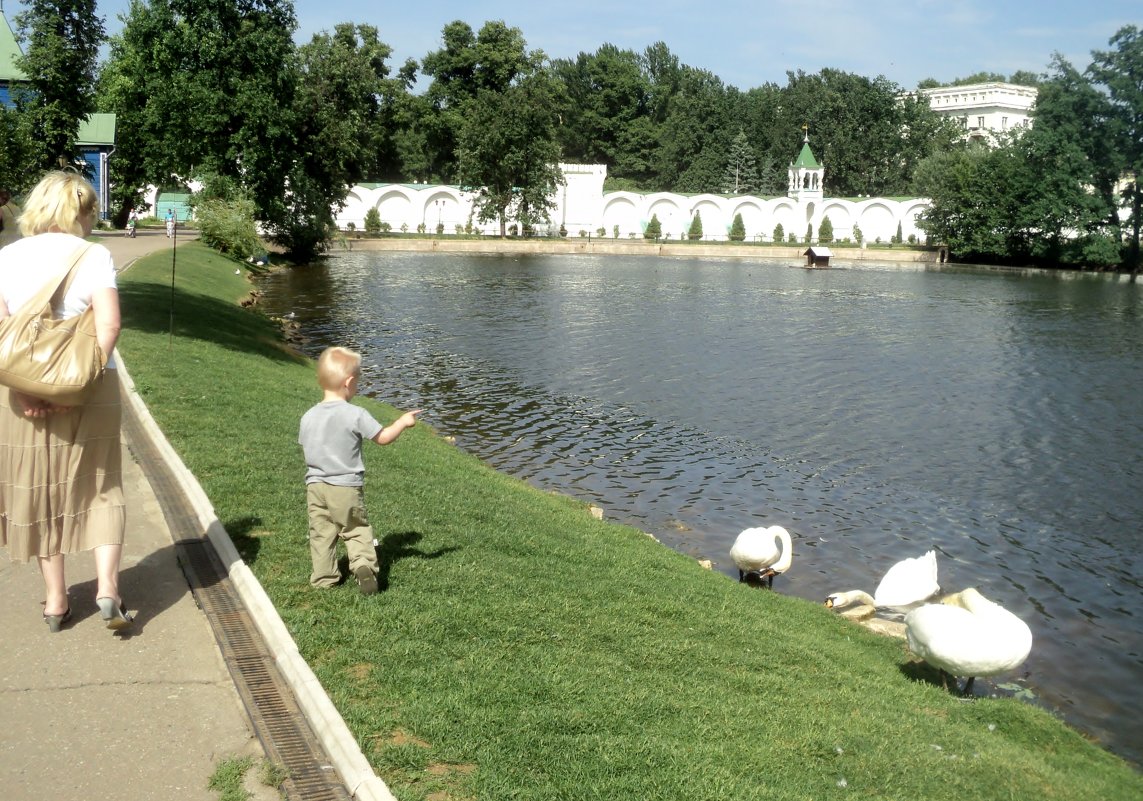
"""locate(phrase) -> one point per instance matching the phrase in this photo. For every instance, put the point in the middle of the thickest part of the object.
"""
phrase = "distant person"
(170, 223)
(61, 484)
(132, 223)
(9, 211)
(331, 434)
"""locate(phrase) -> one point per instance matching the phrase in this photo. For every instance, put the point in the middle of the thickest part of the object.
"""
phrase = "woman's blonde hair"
(335, 365)
(58, 203)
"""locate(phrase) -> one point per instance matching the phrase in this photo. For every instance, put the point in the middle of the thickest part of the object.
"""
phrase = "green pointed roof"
(806, 160)
(9, 52)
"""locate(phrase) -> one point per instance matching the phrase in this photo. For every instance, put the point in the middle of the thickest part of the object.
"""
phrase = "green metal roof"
(806, 159)
(97, 129)
(9, 52)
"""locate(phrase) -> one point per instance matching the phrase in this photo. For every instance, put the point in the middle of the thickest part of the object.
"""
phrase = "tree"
(18, 165)
(779, 233)
(372, 221)
(1121, 71)
(741, 174)
(695, 230)
(654, 229)
(737, 229)
(809, 233)
(825, 231)
(62, 39)
(507, 153)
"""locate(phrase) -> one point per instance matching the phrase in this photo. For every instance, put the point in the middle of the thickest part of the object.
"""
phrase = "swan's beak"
(829, 602)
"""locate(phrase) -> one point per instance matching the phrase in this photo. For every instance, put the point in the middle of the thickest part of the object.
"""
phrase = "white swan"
(762, 553)
(968, 635)
(904, 584)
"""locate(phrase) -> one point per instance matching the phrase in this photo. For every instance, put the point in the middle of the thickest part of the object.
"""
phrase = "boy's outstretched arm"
(393, 430)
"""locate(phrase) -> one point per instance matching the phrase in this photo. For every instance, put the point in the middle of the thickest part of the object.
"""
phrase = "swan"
(968, 635)
(904, 584)
(762, 553)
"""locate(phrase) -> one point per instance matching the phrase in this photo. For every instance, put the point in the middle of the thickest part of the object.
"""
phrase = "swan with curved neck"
(968, 635)
(762, 553)
(904, 584)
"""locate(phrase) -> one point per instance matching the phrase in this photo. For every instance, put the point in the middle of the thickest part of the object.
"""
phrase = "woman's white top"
(29, 263)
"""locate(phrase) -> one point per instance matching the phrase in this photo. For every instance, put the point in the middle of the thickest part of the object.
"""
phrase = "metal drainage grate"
(280, 725)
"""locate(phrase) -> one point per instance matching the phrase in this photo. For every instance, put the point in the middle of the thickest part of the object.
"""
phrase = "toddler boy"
(331, 434)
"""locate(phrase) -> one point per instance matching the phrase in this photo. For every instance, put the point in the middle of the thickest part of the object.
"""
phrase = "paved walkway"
(86, 714)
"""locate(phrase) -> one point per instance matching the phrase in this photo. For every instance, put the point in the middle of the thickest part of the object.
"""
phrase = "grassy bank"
(522, 649)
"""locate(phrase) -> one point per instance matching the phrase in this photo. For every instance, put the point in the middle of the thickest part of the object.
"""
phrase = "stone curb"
(345, 754)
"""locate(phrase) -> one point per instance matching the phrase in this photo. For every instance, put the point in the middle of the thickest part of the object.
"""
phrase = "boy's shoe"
(366, 581)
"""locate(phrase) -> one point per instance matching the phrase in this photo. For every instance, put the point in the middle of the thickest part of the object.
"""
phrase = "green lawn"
(522, 649)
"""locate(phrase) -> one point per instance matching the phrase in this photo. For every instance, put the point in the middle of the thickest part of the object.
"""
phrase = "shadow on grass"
(152, 308)
(239, 531)
(397, 546)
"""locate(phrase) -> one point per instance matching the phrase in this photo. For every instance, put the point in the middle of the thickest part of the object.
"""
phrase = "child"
(330, 435)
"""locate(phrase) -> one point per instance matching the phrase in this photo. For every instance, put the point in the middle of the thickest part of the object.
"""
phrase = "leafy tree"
(18, 165)
(224, 213)
(62, 40)
(695, 230)
(779, 233)
(809, 233)
(741, 174)
(858, 236)
(1121, 71)
(825, 231)
(737, 229)
(373, 221)
(507, 153)
(654, 229)
(208, 88)
(694, 136)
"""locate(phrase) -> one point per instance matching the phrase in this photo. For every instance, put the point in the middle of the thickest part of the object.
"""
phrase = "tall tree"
(1121, 71)
(507, 152)
(61, 45)
(741, 174)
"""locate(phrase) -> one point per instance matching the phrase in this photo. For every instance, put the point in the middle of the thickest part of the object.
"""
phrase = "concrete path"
(87, 714)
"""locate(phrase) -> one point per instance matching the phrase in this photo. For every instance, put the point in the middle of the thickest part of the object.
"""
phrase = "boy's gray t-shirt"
(330, 435)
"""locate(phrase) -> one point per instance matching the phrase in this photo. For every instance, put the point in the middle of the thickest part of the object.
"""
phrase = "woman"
(61, 487)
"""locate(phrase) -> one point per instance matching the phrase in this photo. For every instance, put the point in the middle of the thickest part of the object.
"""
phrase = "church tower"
(806, 175)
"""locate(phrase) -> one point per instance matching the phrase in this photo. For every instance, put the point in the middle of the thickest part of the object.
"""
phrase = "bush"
(654, 229)
(779, 233)
(228, 226)
(737, 229)
(825, 231)
(809, 233)
(373, 221)
(601, 232)
(858, 237)
(615, 232)
(695, 231)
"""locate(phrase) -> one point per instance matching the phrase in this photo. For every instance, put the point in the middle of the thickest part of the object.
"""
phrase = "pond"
(876, 411)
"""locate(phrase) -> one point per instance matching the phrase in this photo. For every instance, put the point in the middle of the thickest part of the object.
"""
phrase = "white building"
(984, 109)
(584, 209)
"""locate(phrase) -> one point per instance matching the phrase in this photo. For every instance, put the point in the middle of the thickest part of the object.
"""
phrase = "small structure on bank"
(818, 256)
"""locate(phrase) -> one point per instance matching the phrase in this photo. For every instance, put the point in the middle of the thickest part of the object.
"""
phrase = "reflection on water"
(876, 412)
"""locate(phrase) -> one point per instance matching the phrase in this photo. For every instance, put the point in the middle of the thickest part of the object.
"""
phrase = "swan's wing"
(909, 581)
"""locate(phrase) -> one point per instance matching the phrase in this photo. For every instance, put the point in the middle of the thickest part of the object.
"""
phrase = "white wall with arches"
(582, 207)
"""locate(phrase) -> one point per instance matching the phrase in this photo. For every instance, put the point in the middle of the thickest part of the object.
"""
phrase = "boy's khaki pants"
(338, 513)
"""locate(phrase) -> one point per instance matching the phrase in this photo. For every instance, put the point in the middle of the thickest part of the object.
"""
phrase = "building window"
(980, 122)
(1004, 123)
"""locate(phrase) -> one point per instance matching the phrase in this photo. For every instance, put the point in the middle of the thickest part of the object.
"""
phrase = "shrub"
(695, 231)
(779, 233)
(615, 232)
(809, 233)
(228, 226)
(825, 231)
(858, 237)
(563, 230)
(601, 232)
(737, 229)
(654, 229)
(386, 227)
(373, 221)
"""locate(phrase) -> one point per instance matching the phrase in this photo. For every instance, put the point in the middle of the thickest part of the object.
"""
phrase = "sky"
(749, 44)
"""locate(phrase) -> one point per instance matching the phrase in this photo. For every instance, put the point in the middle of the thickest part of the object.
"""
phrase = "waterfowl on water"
(762, 553)
(908, 582)
(968, 635)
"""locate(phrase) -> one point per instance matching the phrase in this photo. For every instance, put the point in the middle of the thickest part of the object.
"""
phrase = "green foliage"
(741, 175)
(224, 213)
(615, 232)
(228, 777)
(897, 238)
(809, 233)
(858, 235)
(825, 231)
(61, 46)
(372, 221)
(694, 232)
(779, 233)
(18, 156)
(737, 229)
(654, 228)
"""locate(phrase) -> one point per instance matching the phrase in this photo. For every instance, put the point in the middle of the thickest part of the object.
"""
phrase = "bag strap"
(47, 294)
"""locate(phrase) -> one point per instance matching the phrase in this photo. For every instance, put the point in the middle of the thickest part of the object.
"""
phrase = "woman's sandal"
(117, 617)
(55, 622)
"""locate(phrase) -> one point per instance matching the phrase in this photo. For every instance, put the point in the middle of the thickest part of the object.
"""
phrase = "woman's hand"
(37, 407)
